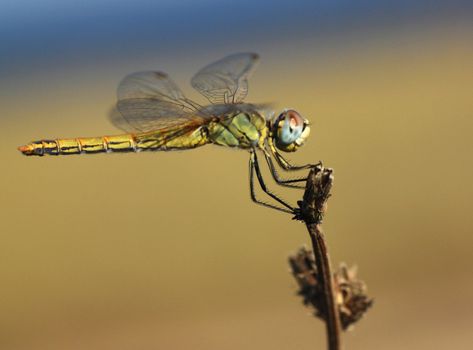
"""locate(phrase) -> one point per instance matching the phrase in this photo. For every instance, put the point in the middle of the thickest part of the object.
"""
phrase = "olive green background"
(166, 250)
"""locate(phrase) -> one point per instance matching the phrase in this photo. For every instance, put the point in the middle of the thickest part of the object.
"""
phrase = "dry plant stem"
(323, 265)
(312, 208)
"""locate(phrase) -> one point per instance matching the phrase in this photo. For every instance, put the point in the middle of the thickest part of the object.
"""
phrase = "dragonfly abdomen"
(151, 141)
(119, 143)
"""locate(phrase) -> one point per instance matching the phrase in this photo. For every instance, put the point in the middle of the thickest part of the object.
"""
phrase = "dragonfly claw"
(297, 212)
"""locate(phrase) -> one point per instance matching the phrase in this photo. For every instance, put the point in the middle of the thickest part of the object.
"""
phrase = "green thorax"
(239, 129)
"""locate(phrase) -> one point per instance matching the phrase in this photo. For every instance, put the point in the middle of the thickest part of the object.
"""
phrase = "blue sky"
(32, 32)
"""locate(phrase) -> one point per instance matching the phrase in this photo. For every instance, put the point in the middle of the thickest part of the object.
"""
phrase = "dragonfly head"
(290, 130)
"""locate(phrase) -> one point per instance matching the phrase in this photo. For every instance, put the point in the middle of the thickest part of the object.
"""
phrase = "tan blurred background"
(166, 250)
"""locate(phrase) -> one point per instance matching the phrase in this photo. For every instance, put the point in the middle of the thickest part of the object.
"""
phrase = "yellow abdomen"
(158, 140)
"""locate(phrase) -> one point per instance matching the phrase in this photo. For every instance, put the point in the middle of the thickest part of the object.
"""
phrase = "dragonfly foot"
(317, 165)
(297, 212)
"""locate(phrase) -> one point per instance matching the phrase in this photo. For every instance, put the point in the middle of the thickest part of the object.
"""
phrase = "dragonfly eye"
(290, 131)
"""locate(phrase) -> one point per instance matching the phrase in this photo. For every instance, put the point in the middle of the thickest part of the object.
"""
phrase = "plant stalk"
(312, 209)
(322, 261)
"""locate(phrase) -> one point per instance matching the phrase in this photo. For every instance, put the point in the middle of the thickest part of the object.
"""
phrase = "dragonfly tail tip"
(26, 149)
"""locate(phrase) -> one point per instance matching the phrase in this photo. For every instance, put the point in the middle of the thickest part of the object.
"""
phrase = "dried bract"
(352, 301)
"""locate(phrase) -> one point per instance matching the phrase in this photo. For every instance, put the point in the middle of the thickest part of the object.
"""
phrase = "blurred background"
(166, 250)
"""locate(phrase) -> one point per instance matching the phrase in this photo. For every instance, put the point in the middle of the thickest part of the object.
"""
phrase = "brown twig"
(311, 211)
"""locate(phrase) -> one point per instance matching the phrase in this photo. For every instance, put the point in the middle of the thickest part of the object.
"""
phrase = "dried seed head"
(351, 293)
(353, 301)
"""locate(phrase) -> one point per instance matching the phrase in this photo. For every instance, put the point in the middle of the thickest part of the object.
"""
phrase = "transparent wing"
(226, 81)
(152, 101)
(265, 109)
(142, 115)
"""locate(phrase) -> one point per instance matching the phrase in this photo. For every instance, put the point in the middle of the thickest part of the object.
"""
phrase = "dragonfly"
(156, 116)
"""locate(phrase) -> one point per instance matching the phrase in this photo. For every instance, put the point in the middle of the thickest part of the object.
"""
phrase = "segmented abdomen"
(80, 145)
(119, 143)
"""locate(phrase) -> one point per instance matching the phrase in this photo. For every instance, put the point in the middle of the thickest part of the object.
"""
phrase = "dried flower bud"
(351, 297)
(314, 204)
(353, 301)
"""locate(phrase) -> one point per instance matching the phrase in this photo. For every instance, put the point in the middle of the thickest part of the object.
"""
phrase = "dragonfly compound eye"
(290, 131)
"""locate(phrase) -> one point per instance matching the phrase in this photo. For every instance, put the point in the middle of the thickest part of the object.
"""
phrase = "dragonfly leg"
(254, 167)
(283, 163)
(283, 182)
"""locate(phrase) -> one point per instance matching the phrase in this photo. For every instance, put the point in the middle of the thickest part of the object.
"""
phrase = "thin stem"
(312, 209)
(322, 261)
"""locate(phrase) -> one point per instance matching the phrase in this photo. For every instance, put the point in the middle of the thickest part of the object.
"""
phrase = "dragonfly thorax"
(243, 129)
